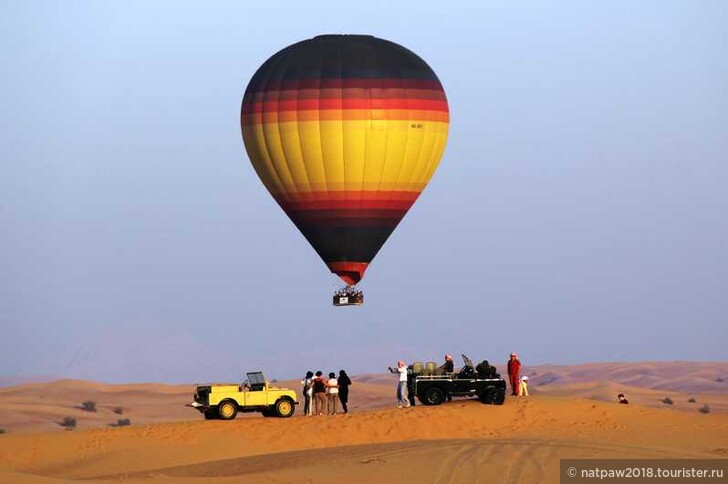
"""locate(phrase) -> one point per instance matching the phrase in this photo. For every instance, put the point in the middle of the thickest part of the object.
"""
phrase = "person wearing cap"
(514, 370)
(523, 387)
(448, 366)
(402, 400)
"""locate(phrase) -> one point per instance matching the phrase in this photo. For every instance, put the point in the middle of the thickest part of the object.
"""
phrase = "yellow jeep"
(254, 395)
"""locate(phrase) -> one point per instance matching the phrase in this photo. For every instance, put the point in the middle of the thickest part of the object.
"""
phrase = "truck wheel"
(433, 396)
(210, 413)
(493, 396)
(284, 408)
(227, 410)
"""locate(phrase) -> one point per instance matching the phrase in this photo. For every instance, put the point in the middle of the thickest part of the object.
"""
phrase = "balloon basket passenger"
(348, 296)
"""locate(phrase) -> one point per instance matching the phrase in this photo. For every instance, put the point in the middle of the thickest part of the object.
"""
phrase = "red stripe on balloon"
(347, 196)
(350, 272)
(349, 218)
(348, 222)
(352, 213)
(344, 103)
(346, 205)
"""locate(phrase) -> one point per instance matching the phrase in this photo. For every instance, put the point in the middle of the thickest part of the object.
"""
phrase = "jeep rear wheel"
(227, 410)
(433, 396)
(284, 408)
(210, 413)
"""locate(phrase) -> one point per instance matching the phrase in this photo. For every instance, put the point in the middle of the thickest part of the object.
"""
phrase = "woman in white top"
(332, 390)
(307, 384)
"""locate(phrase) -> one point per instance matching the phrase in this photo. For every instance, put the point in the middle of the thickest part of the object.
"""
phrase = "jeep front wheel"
(227, 410)
(284, 408)
(493, 396)
(433, 396)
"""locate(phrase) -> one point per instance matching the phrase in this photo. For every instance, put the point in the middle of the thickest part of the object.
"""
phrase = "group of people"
(321, 394)
(348, 291)
(519, 384)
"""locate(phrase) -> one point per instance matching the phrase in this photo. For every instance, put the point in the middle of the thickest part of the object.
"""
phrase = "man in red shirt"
(514, 370)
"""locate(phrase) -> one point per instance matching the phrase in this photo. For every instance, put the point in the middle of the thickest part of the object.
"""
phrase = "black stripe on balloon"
(343, 56)
(347, 244)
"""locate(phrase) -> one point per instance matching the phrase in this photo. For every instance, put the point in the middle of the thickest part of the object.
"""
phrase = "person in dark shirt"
(449, 365)
(622, 400)
(319, 394)
(344, 383)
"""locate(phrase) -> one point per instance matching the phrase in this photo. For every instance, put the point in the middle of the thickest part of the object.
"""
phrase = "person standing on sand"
(332, 392)
(307, 384)
(411, 391)
(402, 400)
(319, 393)
(344, 384)
(523, 387)
(514, 370)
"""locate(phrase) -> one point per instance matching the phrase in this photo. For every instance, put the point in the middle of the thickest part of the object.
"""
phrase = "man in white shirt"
(402, 400)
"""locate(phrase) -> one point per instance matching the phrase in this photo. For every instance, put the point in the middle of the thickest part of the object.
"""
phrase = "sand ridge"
(523, 440)
(572, 413)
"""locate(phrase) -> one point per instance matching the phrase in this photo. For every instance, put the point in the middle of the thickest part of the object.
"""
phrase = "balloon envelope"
(345, 131)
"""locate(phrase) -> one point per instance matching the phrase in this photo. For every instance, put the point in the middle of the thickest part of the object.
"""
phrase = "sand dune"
(42, 406)
(36, 407)
(607, 391)
(464, 441)
(677, 376)
(571, 414)
(436, 461)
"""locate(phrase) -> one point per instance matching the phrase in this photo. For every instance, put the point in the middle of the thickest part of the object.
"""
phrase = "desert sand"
(462, 441)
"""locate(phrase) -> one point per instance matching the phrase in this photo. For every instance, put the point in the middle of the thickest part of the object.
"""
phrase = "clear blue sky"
(580, 212)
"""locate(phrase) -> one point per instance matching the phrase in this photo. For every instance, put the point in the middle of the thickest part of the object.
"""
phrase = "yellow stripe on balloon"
(346, 155)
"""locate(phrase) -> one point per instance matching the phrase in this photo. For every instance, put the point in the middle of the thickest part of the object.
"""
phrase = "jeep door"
(463, 387)
(255, 398)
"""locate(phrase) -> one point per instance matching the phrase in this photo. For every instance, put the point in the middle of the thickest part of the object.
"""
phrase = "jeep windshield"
(468, 361)
(256, 377)
(256, 380)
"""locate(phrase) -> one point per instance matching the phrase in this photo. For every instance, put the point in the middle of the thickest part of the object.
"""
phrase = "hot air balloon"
(345, 131)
